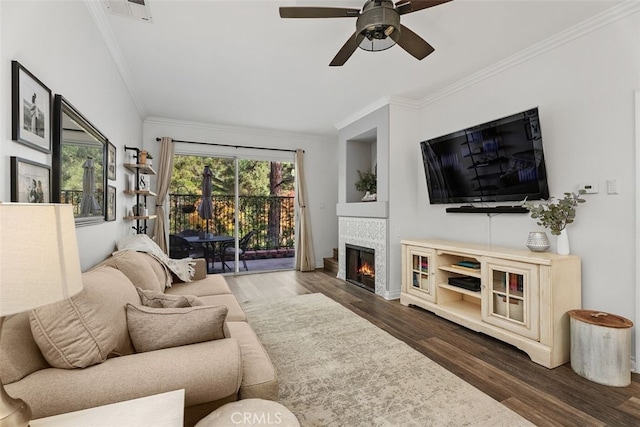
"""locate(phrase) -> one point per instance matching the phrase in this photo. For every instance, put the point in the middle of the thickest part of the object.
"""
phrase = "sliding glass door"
(258, 235)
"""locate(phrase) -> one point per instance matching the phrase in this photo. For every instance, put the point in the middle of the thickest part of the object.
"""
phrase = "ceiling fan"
(378, 26)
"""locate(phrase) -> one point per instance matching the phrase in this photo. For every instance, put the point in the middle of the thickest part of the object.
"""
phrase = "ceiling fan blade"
(413, 43)
(318, 12)
(407, 6)
(347, 50)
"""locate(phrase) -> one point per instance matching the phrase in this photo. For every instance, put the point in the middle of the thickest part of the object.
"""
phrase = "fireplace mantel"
(363, 209)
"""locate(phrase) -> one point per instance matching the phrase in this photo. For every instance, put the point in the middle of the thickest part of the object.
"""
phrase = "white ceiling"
(238, 63)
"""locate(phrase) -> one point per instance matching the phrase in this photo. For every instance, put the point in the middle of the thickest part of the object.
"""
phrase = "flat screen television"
(498, 161)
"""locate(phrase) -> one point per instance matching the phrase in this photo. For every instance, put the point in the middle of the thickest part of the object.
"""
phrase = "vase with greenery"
(557, 215)
(367, 183)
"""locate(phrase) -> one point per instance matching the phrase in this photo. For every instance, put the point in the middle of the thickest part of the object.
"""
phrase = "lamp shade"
(39, 259)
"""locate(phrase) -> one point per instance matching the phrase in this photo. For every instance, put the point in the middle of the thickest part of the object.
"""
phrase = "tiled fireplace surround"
(369, 233)
(364, 145)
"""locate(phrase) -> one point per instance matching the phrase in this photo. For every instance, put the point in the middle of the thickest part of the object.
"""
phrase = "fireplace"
(361, 266)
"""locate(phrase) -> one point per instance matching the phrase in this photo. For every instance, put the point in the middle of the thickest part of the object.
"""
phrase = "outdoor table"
(216, 241)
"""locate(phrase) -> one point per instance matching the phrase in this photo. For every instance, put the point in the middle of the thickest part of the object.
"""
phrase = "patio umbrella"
(89, 204)
(205, 210)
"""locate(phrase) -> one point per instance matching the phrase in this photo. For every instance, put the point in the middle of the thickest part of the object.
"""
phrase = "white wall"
(59, 43)
(584, 89)
(404, 189)
(321, 164)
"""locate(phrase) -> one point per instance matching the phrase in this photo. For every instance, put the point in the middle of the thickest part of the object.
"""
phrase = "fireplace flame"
(367, 270)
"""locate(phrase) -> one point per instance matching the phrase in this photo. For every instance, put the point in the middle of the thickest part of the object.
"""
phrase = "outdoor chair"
(179, 247)
(197, 249)
(229, 250)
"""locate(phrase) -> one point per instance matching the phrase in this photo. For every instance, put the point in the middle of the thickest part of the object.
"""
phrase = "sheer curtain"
(305, 258)
(160, 230)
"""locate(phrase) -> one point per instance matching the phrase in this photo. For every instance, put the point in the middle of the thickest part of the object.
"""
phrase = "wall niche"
(361, 156)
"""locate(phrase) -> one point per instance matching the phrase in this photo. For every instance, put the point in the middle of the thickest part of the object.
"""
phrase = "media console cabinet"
(517, 296)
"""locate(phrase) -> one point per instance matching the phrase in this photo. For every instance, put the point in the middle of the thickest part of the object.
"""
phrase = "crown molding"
(100, 19)
(375, 106)
(587, 26)
(235, 129)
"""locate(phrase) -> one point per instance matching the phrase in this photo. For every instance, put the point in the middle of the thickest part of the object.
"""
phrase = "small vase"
(538, 241)
(563, 243)
(368, 197)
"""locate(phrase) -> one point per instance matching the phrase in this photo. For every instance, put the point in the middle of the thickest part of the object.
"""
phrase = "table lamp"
(39, 265)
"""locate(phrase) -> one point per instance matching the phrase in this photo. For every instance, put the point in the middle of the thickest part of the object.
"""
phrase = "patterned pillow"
(157, 328)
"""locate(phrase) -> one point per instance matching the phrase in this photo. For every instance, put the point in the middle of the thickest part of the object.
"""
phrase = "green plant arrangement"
(556, 215)
(367, 182)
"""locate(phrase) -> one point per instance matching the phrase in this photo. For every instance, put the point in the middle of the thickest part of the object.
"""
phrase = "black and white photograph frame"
(111, 203)
(111, 161)
(30, 181)
(31, 109)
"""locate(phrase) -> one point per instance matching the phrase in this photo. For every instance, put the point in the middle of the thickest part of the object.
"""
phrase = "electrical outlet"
(590, 188)
(612, 186)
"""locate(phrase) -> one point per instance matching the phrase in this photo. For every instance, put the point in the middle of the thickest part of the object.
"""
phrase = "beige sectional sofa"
(104, 345)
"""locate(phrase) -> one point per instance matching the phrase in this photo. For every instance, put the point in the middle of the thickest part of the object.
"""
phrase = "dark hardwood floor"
(546, 397)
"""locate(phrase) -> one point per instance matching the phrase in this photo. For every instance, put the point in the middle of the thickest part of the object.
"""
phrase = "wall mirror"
(79, 163)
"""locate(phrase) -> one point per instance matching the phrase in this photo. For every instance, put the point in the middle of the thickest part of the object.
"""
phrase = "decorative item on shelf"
(143, 182)
(556, 216)
(538, 241)
(368, 197)
(140, 210)
(143, 157)
(149, 160)
(131, 183)
(368, 184)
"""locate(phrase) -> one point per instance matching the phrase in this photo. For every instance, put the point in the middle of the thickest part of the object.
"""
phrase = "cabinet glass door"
(421, 281)
(510, 291)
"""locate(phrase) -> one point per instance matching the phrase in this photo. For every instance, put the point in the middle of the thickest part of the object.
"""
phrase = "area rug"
(337, 369)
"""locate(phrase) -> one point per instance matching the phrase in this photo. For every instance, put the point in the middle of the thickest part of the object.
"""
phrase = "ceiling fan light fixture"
(390, 29)
(378, 21)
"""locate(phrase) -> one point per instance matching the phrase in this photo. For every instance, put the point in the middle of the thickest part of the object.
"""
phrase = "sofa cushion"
(182, 268)
(161, 300)
(89, 327)
(162, 272)
(136, 267)
(157, 328)
(19, 353)
(212, 284)
(259, 379)
(208, 372)
(236, 313)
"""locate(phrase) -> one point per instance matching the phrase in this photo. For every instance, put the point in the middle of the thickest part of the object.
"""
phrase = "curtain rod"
(235, 146)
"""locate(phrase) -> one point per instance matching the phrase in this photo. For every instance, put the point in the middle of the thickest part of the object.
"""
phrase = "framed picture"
(111, 203)
(30, 109)
(111, 161)
(30, 181)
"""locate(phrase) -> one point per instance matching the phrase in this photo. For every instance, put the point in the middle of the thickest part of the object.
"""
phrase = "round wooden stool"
(250, 413)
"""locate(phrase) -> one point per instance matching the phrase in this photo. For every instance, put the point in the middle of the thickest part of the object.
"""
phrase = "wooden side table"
(160, 410)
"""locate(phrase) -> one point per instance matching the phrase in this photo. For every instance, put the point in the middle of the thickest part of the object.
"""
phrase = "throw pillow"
(157, 328)
(160, 300)
(90, 326)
